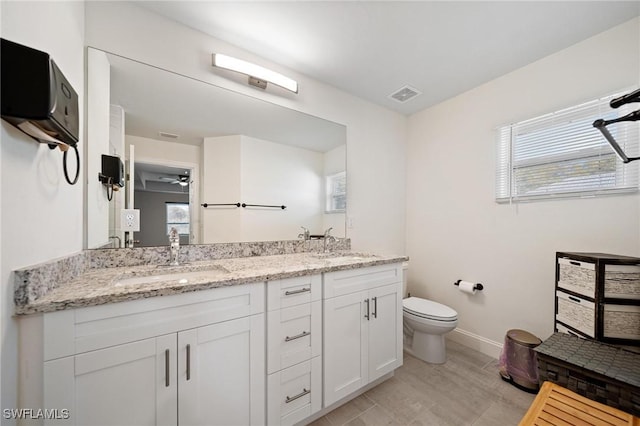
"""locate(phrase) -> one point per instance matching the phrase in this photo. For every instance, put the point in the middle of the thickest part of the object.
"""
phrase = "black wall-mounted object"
(35, 92)
(601, 124)
(112, 171)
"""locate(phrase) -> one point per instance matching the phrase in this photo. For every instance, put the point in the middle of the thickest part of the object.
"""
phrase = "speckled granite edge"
(111, 285)
(33, 282)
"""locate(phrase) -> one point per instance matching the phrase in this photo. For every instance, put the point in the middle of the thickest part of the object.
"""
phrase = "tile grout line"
(352, 419)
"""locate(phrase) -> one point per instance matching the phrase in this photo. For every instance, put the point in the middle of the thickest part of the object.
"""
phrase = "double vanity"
(245, 340)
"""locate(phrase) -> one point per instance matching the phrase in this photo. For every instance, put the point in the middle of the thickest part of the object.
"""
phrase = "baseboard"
(474, 341)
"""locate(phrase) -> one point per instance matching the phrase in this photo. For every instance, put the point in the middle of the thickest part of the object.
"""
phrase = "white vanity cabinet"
(362, 328)
(189, 359)
(277, 353)
(294, 348)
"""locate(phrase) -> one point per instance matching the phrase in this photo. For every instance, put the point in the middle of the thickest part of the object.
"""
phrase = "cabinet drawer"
(353, 280)
(576, 312)
(293, 291)
(577, 276)
(622, 281)
(562, 329)
(621, 321)
(294, 393)
(80, 330)
(293, 335)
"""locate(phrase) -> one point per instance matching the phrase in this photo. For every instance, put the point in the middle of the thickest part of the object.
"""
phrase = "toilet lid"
(428, 309)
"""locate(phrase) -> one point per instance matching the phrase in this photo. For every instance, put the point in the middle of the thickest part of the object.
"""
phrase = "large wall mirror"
(185, 143)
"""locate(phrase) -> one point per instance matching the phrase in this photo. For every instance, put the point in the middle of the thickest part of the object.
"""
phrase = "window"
(562, 155)
(178, 217)
(336, 193)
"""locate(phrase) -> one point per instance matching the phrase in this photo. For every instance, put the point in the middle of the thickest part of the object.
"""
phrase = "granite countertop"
(117, 284)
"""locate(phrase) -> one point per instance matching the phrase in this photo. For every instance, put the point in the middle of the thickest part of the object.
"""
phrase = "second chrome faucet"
(174, 247)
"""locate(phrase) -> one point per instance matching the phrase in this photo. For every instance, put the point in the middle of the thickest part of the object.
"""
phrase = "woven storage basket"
(595, 370)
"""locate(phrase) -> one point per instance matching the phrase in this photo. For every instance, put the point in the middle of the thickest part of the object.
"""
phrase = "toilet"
(428, 322)
(425, 324)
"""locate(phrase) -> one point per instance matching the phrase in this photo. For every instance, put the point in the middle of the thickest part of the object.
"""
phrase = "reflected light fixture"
(258, 76)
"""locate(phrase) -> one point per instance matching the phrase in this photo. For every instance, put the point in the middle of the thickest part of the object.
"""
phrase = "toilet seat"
(428, 309)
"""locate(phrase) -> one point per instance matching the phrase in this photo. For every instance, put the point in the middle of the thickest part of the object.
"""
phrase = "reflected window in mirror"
(336, 193)
(178, 217)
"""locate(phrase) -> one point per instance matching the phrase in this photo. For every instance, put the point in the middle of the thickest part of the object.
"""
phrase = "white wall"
(455, 230)
(276, 174)
(98, 119)
(116, 148)
(375, 136)
(156, 149)
(254, 171)
(42, 215)
(221, 161)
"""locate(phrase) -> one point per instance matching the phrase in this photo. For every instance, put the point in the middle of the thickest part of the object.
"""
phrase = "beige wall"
(455, 229)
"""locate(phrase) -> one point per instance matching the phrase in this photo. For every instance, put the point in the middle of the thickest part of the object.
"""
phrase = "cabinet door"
(125, 384)
(385, 330)
(221, 373)
(345, 343)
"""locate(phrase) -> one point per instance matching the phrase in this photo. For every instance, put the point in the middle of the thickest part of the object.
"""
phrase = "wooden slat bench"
(559, 406)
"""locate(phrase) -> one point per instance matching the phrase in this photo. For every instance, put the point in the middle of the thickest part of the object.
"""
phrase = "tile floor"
(466, 390)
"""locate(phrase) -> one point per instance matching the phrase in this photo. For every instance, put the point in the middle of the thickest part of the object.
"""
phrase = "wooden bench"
(559, 406)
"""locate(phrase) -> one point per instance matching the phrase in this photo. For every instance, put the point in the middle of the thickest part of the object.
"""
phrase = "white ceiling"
(373, 48)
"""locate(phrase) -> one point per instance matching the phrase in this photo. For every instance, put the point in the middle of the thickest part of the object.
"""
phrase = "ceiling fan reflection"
(182, 180)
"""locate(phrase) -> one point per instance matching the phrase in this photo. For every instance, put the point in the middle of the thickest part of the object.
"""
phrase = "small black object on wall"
(38, 99)
(112, 175)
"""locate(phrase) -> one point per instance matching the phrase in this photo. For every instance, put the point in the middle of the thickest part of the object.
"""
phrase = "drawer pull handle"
(375, 307)
(367, 314)
(297, 336)
(302, 290)
(166, 368)
(300, 395)
(188, 362)
(574, 299)
(574, 263)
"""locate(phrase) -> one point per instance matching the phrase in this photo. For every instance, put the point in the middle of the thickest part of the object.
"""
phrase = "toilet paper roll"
(467, 287)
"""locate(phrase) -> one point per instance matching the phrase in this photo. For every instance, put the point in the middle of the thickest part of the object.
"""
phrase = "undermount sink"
(180, 276)
(344, 256)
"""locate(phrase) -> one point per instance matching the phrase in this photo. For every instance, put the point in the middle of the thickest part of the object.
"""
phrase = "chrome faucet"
(174, 247)
(327, 236)
(306, 235)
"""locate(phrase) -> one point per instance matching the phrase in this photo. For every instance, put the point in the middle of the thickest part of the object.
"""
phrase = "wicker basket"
(595, 370)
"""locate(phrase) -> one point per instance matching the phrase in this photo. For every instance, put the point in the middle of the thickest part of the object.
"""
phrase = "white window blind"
(561, 154)
(336, 201)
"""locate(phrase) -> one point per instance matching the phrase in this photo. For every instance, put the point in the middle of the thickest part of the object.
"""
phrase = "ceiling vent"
(404, 94)
(168, 135)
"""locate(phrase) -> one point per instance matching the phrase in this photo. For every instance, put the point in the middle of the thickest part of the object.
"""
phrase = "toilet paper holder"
(477, 286)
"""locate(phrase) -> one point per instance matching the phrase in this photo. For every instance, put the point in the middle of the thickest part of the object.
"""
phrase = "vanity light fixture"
(258, 76)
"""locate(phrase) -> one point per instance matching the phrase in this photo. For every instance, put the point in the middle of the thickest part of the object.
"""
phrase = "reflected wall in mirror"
(186, 142)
